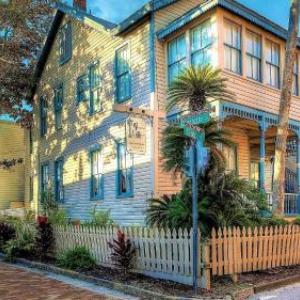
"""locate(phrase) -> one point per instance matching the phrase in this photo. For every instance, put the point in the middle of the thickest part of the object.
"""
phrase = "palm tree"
(175, 145)
(195, 87)
(285, 104)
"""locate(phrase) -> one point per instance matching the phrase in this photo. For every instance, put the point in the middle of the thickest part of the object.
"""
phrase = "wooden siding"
(81, 131)
(12, 145)
(248, 92)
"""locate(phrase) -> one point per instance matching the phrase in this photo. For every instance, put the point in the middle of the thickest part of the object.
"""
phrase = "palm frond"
(195, 86)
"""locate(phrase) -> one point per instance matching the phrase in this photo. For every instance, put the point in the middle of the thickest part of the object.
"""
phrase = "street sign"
(202, 157)
(196, 118)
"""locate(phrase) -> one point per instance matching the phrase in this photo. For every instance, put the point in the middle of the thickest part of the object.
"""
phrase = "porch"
(254, 133)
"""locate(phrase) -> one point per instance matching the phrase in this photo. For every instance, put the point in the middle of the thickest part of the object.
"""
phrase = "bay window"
(253, 56)
(272, 64)
(176, 57)
(201, 44)
(232, 47)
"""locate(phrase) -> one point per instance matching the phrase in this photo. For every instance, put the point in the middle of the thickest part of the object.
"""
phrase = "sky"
(117, 10)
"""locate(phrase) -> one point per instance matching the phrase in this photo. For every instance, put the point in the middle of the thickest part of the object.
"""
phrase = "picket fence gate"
(167, 254)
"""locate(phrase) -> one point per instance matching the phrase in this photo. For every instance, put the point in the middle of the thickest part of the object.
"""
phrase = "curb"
(124, 288)
(276, 284)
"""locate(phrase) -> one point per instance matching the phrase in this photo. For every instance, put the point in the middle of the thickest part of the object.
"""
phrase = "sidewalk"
(21, 283)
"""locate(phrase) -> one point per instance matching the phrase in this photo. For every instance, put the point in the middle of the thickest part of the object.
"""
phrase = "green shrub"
(7, 232)
(100, 218)
(23, 245)
(78, 258)
(58, 217)
(297, 221)
(274, 221)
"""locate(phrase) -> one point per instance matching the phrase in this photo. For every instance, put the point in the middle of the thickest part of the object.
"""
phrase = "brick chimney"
(81, 4)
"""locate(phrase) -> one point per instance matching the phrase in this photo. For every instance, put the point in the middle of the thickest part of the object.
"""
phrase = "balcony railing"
(290, 203)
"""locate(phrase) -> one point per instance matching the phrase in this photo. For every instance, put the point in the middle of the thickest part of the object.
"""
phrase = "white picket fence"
(159, 253)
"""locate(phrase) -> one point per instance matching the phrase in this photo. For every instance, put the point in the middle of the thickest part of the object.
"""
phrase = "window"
(43, 116)
(295, 78)
(272, 64)
(125, 170)
(97, 184)
(254, 173)
(253, 56)
(123, 80)
(59, 186)
(230, 154)
(58, 106)
(82, 88)
(65, 43)
(202, 40)
(176, 57)
(95, 84)
(44, 178)
(232, 47)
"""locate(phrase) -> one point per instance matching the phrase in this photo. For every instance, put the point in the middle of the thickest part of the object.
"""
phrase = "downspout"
(153, 103)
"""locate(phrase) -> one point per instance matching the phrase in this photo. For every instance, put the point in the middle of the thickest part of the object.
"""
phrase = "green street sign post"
(199, 157)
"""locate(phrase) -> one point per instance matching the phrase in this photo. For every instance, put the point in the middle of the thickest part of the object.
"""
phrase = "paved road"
(18, 283)
(290, 292)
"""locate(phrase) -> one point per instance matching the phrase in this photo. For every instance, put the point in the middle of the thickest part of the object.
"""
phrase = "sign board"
(196, 118)
(202, 158)
(136, 135)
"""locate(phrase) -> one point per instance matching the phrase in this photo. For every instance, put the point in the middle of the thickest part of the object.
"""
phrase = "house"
(100, 99)
(13, 182)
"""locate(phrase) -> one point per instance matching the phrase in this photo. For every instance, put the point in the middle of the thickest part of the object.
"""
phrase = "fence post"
(205, 265)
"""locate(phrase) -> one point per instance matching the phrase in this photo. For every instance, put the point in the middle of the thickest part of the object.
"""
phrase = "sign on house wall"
(136, 135)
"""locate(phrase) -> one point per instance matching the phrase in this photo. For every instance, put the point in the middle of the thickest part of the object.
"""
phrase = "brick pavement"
(19, 284)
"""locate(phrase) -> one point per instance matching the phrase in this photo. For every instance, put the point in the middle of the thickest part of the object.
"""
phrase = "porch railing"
(290, 203)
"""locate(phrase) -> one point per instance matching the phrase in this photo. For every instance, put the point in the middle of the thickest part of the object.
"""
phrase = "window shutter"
(69, 41)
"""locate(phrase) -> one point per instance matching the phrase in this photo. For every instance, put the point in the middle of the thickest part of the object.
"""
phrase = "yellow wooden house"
(100, 100)
(13, 145)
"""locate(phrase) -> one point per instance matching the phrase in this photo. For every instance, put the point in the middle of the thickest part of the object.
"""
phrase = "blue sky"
(116, 10)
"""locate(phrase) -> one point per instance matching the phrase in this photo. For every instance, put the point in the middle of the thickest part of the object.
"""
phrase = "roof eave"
(229, 5)
(46, 50)
(134, 19)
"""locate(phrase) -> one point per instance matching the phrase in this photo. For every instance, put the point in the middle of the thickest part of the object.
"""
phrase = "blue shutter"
(68, 41)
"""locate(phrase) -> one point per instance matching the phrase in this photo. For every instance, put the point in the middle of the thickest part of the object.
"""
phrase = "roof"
(230, 5)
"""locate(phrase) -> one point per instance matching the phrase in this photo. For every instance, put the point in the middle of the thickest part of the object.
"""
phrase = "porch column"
(298, 163)
(262, 157)
(298, 172)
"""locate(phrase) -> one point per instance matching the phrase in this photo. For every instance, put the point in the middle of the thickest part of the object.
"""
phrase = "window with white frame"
(176, 57)
(97, 184)
(123, 78)
(230, 155)
(201, 44)
(272, 69)
(232, 47)
(295, 78)
(253, 50)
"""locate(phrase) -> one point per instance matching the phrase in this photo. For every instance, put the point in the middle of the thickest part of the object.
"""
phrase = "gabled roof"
(230, 5)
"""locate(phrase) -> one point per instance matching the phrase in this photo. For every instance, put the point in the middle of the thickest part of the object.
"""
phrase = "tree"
(285, 104)
(24, 25)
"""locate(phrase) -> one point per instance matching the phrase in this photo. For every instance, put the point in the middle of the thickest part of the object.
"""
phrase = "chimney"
(81, 4)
